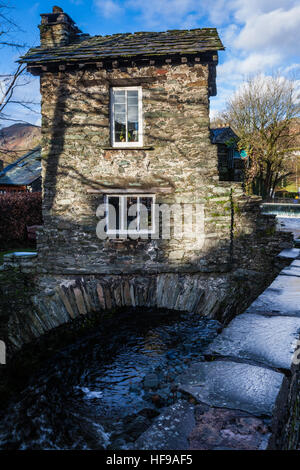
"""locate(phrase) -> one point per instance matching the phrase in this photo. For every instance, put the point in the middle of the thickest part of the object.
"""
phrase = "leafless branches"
(8, 27)
(10, 83)
(261, 113)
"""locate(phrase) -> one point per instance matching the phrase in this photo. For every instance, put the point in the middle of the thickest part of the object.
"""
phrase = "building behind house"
(231, 163)
(22, 175)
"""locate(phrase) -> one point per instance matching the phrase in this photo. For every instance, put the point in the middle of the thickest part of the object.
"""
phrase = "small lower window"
(130, 214)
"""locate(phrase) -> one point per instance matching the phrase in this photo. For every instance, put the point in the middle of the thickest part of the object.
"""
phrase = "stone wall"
(216, 279)
(37, 304)
(78, 163)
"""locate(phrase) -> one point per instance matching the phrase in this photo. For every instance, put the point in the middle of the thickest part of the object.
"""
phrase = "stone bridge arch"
(82, 295)
(62, 300)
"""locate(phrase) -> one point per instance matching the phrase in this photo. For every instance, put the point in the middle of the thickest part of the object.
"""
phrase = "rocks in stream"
(151, 381)
(132, 427)
(137, 426)
(96, 394)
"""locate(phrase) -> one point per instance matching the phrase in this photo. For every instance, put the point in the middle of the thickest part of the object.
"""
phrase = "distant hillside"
(16, 140)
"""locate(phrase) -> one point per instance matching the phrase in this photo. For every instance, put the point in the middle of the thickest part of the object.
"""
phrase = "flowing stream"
(104, 390)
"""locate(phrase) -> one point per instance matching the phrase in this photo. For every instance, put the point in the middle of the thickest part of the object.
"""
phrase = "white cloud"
(243, 10)
(275, 30)
(108, 8)
(213, 114)
(236, 68)
(38, 122)
(169, 13)
(262, 36)
(291, 69)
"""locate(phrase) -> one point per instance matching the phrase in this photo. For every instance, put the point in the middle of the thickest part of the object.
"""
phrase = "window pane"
(120, 132)
(145, 209)
(132, 96)
(132, 115)
(132, 132)
(131, 213)
(114, 211)
(119, 96)
(120, 109)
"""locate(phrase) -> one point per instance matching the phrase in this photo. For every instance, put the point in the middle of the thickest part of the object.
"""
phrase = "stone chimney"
(57, 29)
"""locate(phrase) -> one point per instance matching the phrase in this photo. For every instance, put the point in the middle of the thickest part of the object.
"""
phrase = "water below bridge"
(105, 390)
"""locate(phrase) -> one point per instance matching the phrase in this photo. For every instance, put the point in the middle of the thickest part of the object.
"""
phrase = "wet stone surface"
(221, 429)
(280, 298)
(233, 385)
(108, 388)
(267, 340)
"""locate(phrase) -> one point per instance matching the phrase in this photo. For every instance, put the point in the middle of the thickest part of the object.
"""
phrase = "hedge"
(17, 211)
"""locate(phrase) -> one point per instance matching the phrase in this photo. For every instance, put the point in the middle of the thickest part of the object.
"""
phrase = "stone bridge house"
(125, 120)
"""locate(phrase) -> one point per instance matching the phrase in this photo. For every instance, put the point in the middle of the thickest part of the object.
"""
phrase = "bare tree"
(10, 83)
(261, 113)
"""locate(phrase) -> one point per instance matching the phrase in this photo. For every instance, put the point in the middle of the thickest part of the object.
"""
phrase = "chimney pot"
(56, 9)
(57, 28)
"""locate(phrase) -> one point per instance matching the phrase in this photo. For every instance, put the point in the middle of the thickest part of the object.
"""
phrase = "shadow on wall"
(97, 104)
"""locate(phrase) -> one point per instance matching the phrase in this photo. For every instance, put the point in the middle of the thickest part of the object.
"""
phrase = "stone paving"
(248, 386)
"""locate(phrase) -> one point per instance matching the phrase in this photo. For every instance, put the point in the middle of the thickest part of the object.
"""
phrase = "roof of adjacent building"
(221, 135)
(128, 45)
(23, 171)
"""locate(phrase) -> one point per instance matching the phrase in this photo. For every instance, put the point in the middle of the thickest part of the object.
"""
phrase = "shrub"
(17, 211)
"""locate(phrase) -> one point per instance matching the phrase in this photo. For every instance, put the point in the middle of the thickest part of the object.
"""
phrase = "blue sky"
(260, 36)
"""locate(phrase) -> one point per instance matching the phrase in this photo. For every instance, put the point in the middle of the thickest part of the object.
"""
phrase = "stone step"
(291, 270)
(282, 297)
(170, 430)
(270, 341)
(238, 386)
(289, 253)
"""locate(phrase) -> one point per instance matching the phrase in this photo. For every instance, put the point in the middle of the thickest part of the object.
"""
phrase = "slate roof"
(221, 135)
(23, 171)
(129, 45)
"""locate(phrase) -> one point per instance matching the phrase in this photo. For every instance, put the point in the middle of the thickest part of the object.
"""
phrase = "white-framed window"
(130, 214)
(126, 116)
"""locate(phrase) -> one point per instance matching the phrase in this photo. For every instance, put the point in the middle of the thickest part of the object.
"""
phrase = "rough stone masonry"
(76, 272)
(177, 162)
